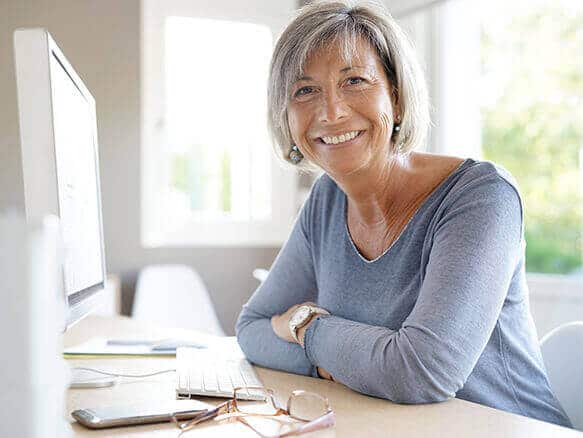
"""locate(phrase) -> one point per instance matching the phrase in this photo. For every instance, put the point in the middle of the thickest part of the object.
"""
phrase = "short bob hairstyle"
(321, 23)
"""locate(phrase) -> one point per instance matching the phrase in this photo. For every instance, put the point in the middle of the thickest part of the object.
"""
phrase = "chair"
(260, 274)
(562, 351)
(175, 296)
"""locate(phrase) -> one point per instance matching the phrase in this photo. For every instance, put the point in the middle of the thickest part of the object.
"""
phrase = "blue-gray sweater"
(443, 312)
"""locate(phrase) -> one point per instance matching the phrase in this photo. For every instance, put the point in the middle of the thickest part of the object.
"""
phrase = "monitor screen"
(78, 196)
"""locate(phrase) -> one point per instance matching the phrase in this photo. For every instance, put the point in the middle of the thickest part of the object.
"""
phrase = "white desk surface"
(356, 414)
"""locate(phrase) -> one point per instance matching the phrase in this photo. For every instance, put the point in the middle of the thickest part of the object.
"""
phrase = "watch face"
(300, 315)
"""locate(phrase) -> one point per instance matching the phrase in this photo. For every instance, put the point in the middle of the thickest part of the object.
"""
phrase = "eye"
(304, 91)
(355, 80)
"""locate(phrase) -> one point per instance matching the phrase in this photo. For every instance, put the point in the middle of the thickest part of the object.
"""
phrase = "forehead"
(338, 54)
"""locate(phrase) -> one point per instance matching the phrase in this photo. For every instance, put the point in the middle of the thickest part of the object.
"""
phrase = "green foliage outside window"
(532, 124)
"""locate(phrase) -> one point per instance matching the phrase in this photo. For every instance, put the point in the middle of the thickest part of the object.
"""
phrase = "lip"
(319, 141)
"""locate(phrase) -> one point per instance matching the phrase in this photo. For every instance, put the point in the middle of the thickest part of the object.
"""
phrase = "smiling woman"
(403, 277)
(386, 61)
(336, 112)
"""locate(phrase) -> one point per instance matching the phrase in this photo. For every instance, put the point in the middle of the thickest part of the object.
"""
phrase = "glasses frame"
(230, 410)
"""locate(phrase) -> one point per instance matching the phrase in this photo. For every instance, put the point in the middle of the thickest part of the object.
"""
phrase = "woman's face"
(341, 114)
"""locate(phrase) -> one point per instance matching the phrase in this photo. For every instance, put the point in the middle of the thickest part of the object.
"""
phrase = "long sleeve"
(474, 251)
(291, 280)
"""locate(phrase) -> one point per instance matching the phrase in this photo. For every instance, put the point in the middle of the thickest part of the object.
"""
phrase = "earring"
(295, 155)
(397, 125)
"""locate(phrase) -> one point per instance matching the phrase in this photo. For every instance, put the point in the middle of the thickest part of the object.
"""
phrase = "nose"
(333, 107)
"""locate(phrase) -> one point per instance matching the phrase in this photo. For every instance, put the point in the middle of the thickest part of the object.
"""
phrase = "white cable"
(137, 376)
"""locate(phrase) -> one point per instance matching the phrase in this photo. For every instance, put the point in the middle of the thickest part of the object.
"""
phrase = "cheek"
(295, 124)
(385, 124)
(299, 120)
(382, 123)
(384, 118)
(377, 107)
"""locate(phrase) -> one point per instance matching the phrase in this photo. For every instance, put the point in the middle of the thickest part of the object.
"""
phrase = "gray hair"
(343, 22)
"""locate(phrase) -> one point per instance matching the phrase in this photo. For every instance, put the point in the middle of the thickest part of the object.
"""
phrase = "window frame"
(156, 229)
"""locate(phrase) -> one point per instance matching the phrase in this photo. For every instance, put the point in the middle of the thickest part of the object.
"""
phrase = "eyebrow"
(345, 69)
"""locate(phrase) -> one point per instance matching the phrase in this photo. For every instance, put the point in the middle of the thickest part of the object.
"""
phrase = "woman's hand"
(280, 324)
(324, 374)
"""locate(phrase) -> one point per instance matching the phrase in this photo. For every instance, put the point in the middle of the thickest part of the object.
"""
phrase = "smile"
(344, 138)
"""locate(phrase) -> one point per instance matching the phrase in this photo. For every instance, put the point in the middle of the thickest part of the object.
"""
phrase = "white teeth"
(340, 138)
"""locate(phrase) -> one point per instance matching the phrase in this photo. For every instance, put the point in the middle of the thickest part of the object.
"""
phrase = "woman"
(415, 261)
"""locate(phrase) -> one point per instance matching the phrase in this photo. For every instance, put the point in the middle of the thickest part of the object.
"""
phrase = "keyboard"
(212, 373)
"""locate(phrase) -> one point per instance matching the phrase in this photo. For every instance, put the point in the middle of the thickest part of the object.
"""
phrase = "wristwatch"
(302, 316)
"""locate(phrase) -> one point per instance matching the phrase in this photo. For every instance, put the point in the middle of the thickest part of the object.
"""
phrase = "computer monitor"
(60, 164)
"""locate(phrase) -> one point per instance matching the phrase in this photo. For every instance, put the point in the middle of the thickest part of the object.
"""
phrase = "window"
(209, 176)
(532, 120)
(508, 87)
(218, 172)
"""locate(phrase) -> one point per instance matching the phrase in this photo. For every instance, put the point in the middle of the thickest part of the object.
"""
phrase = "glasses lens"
(307, 406)
(271, 426)
(254, 401)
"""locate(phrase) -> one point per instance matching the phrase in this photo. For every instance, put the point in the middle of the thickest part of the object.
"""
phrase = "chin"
(344, 167)
(345, 160)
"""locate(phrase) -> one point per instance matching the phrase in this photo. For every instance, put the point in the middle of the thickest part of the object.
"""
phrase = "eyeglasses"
(305, 412)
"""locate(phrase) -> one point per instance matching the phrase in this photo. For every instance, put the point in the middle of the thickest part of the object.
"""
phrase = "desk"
(356, 414)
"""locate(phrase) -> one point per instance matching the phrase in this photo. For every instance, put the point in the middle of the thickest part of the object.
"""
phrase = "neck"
(374, 192)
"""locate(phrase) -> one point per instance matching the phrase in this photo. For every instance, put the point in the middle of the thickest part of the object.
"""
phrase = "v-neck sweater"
(443, 312)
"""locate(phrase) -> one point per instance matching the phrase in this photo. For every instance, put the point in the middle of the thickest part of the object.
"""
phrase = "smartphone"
(134, 414)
